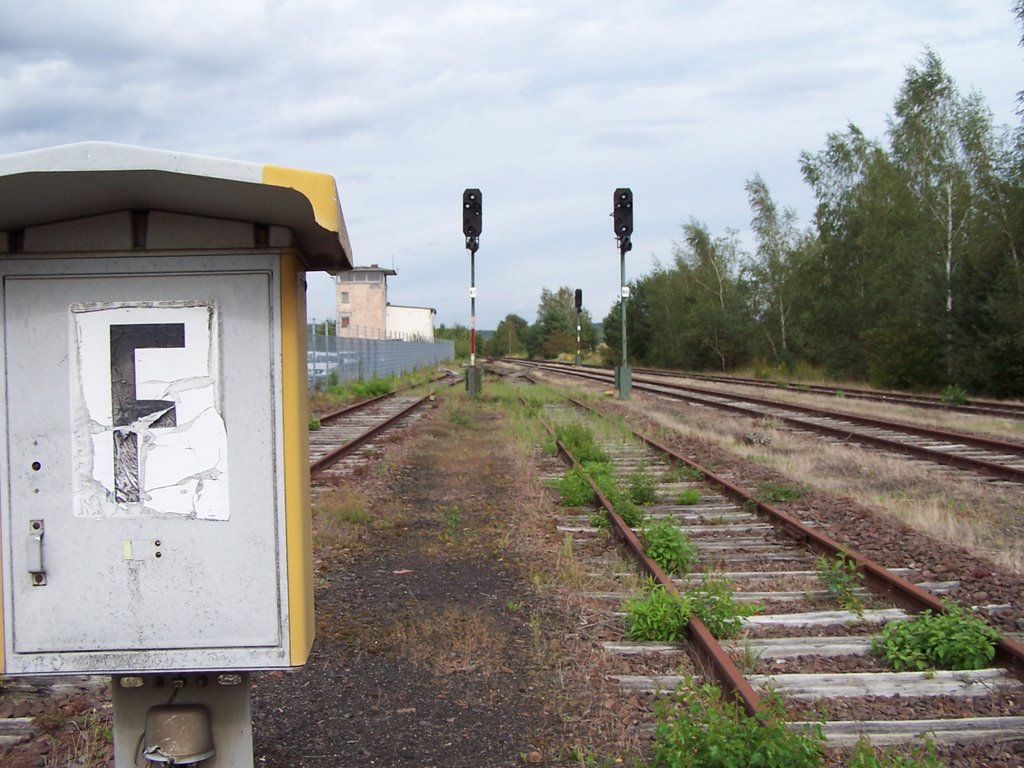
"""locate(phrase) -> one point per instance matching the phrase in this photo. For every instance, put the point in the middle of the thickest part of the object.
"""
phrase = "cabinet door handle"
(35, 553)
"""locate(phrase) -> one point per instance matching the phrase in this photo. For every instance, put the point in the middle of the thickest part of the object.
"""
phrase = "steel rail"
(903, 592)
(701, 395)
(353, 407)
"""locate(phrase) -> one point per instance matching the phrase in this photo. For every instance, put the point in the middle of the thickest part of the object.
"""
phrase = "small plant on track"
(841, 578)
(573, 488)
(714, 604)
(698, 727)
(689, 497)
(667, 544)
(623, 505)
(642, 487)
(951, 640)
(681, 473)
(954, 395)
(579, 440)
(662, 616)
(922, 756)
(779, 492)
(657, 615)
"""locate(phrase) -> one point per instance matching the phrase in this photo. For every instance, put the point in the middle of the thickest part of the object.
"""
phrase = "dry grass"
(346, 517)
(83, 741)
(937, 419)
(950, 505)
(471, 641)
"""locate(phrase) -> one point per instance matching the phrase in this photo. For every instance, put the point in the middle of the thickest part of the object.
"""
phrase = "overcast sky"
(546, 105)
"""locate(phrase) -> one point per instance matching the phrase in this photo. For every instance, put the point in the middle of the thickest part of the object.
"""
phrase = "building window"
(344, 322)
(344, 297)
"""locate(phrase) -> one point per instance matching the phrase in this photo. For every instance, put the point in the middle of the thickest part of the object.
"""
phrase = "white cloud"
(546, 106)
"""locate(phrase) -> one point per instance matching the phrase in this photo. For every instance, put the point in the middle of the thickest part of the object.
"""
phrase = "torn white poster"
(147, 432)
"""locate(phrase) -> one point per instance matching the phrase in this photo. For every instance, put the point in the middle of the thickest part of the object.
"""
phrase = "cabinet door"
(141, 437)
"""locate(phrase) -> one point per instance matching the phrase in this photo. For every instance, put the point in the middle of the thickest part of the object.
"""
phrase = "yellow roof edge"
(319, 188)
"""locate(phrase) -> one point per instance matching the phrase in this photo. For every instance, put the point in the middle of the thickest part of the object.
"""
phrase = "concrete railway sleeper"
(802, 646)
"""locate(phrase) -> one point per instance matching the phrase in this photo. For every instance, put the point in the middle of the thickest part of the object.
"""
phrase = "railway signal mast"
(472, 225)
(622, 217)
(579, 306)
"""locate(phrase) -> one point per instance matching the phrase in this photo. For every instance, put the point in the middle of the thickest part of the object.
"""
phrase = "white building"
(411, 323)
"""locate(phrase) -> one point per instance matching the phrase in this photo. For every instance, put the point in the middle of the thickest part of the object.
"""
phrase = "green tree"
(907, 282)
(863, 264)
(772, 270)
(716, 327)
(933, 143)
(457, 333)
(639, 329)
(554, 331)
(509, 337)
(1018, 8)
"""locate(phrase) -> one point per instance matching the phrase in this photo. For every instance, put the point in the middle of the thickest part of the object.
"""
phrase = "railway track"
(1006, 410)
(345, 436)
(812, 652)
(996, 459)
(999, 408)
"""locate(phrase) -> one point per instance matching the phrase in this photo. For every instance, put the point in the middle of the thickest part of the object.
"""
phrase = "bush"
(922, 756)
(713, 604)
(658, 615)
(642, 488)
(574, 489)
(669, 547)
(579, 441)
(689, 497)
(700, 729)
(951, 640)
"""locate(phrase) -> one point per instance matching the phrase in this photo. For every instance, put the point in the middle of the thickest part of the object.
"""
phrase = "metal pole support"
(472, 373)
(183, 716)
(623, 375)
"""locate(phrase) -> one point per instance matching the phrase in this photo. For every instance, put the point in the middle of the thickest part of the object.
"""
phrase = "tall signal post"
(578, 300)
(472, 226)
(622, 216)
